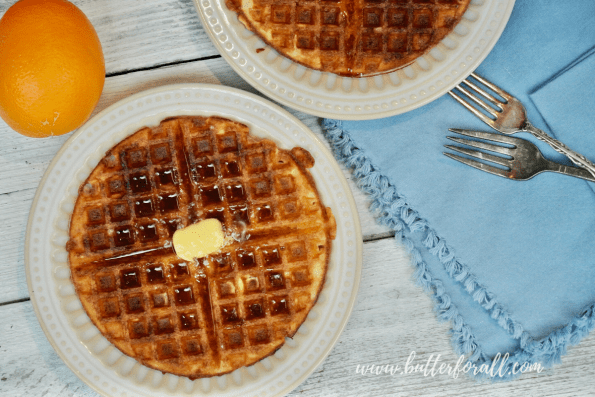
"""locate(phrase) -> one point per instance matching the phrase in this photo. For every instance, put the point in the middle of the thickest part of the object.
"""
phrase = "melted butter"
(199, 240)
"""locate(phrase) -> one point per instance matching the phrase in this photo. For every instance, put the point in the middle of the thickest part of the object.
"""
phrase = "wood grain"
(392, 317)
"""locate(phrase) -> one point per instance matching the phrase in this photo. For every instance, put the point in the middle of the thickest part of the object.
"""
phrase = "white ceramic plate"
(66, 325)
(332, 96)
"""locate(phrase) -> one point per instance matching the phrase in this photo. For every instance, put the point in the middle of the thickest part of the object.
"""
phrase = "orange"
(52, 69)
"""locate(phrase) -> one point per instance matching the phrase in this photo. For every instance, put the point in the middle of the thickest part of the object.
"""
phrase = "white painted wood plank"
(392, 317)
(137, 34)
(14, 211)
(24, 160)
(28, 364)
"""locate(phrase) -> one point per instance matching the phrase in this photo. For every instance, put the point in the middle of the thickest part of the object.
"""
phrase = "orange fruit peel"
(52, 69)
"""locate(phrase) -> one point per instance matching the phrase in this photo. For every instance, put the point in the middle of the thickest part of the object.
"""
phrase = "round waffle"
(352, 38)
(212, 315)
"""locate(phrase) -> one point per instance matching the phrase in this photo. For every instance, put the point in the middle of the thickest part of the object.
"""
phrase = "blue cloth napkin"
(511, 264)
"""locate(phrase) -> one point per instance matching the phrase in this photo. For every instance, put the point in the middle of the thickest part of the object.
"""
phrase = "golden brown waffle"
(351, 37)
(218, 313)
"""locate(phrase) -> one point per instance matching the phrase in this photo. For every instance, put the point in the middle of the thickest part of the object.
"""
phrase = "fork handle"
(570, 170)
(578, 159)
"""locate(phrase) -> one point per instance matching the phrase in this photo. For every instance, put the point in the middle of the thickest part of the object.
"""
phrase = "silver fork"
(510, 117)
(523, 161)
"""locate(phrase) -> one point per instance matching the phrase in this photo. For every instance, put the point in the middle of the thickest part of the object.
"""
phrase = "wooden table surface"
(149, 43)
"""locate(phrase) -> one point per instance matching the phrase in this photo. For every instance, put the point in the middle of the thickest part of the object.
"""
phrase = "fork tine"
(484, 93)
(478, 155)
(478, 165)
(470, 108)
(484, 146)
(492, 87)
(479, 102)
(488, 136)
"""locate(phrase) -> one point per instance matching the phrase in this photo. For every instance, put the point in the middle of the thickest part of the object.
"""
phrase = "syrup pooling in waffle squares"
(351, 37)
(211, 315)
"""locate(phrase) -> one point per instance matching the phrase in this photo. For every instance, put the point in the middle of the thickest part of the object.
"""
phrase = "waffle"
(351, 37)
(230, 309)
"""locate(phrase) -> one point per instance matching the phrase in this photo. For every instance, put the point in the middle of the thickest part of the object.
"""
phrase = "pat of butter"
(199, 240)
